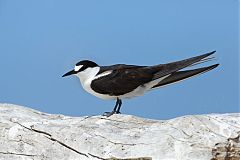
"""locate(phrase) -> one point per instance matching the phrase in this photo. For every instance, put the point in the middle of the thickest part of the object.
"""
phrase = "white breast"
(87, 76)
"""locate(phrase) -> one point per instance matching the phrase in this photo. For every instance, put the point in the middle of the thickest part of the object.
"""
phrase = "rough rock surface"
(29, 134)
(229, 150)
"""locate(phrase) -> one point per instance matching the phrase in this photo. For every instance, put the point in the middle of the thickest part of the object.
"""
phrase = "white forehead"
(77, 68)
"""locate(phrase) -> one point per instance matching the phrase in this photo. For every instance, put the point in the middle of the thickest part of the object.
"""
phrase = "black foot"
(118, 112)
(108, 114)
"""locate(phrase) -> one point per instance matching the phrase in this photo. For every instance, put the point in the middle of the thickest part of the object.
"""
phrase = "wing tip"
(208, 68)
(214, 66)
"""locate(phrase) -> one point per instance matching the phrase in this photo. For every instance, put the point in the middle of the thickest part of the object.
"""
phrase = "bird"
(122, 81)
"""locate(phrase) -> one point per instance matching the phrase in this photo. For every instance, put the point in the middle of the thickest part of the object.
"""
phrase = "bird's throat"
(88, 74)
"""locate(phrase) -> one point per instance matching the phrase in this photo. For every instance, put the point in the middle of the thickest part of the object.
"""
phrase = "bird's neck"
(88, 74)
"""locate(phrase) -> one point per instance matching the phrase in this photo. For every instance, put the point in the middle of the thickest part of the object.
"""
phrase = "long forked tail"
(166, 69)
(182, 75)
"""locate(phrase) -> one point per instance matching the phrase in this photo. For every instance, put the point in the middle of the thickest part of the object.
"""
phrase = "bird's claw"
(108, 114)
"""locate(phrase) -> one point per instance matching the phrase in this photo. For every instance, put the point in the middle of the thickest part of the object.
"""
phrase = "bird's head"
(82, 67)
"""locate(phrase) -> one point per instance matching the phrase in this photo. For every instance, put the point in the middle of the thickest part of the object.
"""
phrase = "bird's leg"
(108, 114)
(119, 107)
(116, 105)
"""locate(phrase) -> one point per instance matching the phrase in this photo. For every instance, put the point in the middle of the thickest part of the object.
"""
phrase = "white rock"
(29, 134)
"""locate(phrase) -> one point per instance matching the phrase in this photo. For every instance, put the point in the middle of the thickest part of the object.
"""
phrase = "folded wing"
(122, 80)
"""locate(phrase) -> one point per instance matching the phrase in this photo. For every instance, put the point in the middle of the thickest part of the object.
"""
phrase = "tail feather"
(182, 75)
(203, 61)
(165, 69)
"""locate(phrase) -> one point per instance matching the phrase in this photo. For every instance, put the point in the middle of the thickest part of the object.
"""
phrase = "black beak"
(69, 73)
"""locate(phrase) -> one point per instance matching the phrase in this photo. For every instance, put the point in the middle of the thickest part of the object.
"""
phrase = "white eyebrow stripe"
(77, 68)
(103, 74)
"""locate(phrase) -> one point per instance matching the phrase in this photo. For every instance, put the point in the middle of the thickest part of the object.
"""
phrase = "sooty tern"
(120, 81)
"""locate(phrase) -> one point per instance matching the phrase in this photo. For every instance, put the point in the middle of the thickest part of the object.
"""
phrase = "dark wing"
(123, 79)
(182, 75)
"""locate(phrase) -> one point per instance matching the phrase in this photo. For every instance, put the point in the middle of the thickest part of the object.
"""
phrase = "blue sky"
(41, 40)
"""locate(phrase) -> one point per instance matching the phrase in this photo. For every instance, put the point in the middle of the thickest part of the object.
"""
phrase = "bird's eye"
(77, 68)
